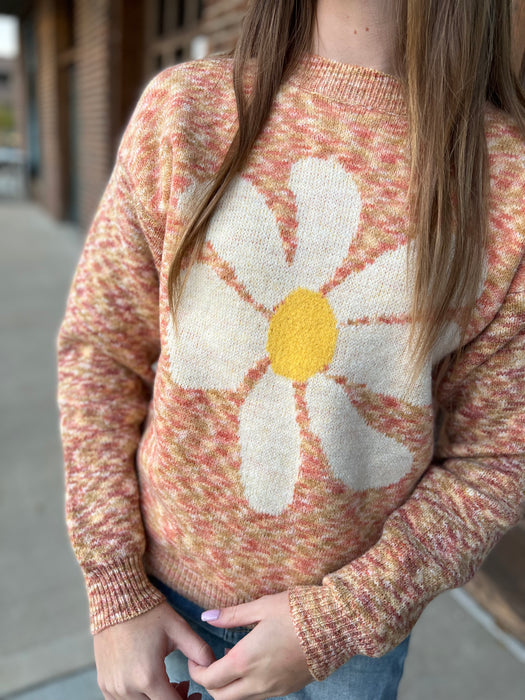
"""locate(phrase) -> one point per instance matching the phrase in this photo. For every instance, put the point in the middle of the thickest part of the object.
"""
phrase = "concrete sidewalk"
(43, 612)
(45, 646)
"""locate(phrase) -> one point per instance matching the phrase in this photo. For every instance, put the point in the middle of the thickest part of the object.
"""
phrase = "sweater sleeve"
(107, 345)
(468, 497)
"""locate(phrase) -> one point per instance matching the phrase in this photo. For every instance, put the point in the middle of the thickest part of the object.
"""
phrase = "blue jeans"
(361, 678)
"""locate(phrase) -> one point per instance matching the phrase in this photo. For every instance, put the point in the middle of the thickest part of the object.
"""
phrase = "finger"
(164, 692)
(189, 643)
(217, 675)
(238, 690)
(159, 692)
(161, 688)
(127, 695)
(236, 616)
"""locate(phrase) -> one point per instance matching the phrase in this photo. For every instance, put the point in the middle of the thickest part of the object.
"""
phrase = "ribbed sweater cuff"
(317, 621)
(368, 607)
(119, 591)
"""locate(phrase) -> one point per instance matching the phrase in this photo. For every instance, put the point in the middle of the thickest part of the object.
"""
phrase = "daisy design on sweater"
(249, 307)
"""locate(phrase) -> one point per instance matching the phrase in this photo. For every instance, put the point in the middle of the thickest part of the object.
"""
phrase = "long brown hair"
(452, 57)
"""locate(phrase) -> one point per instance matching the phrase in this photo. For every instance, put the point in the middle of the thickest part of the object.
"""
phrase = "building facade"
(84, 64)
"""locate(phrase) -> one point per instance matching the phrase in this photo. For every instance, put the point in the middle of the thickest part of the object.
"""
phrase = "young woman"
(319, 245)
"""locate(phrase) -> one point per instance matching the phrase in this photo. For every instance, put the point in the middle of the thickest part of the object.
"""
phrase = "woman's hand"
(268, 662)
(130, 655)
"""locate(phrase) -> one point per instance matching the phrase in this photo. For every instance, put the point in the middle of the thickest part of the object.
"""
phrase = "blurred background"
(70, 73)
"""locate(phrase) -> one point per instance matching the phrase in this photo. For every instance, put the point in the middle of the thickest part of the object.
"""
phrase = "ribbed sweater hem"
(188, 583)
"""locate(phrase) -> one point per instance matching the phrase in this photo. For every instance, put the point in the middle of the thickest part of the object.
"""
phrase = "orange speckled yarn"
(277, 444)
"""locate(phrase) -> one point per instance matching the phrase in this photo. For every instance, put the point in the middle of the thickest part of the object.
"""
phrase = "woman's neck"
(358, 32)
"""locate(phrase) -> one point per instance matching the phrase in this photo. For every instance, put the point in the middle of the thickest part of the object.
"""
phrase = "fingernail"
(210, 615)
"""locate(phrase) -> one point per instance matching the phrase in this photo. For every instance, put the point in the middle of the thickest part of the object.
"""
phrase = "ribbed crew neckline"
(350, 84)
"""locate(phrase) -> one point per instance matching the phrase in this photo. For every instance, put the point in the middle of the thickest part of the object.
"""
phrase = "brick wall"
(105, 58)
(100, 35)
(519, 35)
(48, 186)
(92, 129)
(93, 73)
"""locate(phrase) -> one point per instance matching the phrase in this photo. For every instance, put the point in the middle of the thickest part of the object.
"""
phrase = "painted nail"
(210, 615)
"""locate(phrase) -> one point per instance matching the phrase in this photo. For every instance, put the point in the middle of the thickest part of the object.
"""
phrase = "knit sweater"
(271, 441)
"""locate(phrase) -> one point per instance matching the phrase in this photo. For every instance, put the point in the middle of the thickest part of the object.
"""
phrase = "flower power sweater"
(273, 443)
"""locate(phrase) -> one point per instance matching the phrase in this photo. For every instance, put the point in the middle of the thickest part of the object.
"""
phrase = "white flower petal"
(447, 343)
(361, 457)
(220, 336)
(328, 210)
(270, 444)
(378, 355)
(186, 202)
(483, 276)
(244, 233)
(380, 289)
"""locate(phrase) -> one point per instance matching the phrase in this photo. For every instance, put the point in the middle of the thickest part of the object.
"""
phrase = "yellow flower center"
(302, 335)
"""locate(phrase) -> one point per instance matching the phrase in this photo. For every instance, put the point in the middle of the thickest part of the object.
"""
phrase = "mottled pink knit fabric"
(272, 441)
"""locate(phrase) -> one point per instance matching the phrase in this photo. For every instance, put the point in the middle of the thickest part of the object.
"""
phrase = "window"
(173, 25)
